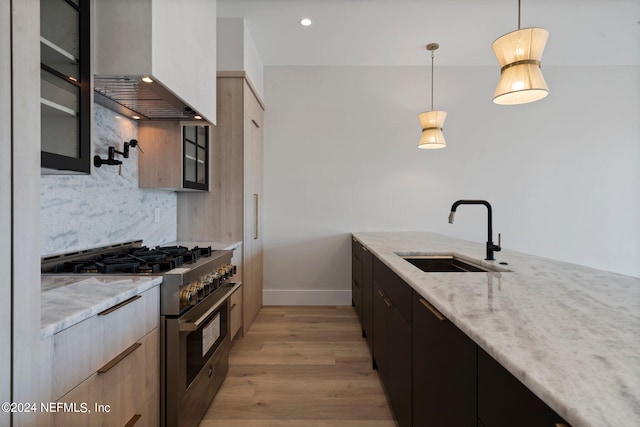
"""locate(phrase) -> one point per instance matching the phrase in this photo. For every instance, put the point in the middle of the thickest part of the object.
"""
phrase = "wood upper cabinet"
(176, 155)
(174, 42)
(232, 210)
(444, 370)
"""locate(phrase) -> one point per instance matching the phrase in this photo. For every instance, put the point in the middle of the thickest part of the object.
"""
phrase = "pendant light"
(432, 121)
(519, 53)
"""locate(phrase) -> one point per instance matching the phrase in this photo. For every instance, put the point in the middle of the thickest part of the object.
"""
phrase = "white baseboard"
(306, 297)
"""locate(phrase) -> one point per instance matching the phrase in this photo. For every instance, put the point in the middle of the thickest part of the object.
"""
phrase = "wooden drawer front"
(127, 389)
(77, 353)
(236, 311)
(129, 323)
(80, 350)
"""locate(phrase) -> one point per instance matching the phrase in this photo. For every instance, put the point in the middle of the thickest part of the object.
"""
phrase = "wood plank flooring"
(304, 367)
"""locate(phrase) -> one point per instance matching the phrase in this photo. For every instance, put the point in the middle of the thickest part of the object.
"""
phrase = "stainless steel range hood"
(130, 96)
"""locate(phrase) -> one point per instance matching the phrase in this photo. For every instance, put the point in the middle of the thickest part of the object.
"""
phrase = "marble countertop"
(570, 333)
(67, 300)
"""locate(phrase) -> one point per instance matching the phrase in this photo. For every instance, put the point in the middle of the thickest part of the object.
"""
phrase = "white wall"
(562, 174)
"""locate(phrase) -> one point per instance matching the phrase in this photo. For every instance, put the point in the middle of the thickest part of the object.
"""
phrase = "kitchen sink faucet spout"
(491, 247)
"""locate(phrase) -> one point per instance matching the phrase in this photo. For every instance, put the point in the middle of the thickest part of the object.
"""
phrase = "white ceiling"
(395, 32)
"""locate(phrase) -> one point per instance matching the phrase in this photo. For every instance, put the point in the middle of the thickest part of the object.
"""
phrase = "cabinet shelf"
(57, 108)
(58, 49)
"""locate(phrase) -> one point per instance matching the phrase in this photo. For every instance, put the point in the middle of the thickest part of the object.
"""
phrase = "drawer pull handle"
(387, 301)
(133, 420)
(233, 306)
(365, 249)
(255, 123)
(380, 293)
(117, 306)
(433, 310)
(119, 358)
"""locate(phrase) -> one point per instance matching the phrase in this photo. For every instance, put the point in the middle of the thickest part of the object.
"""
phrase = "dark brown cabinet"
(392, 339)
(432, 372)
(444, 370)
(505, 401)
(356, 278)
(367, 296)
(362, 288)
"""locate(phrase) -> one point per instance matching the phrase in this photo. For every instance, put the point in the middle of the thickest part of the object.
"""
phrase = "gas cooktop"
(128, 258)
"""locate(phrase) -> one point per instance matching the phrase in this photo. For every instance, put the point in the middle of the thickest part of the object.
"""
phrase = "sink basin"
(447, 264)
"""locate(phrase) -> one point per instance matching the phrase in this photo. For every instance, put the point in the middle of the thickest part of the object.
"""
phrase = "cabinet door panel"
(505, 401)
(380, 331)
(399, 367)
(444, 371)
(367, 297)
(356, 278)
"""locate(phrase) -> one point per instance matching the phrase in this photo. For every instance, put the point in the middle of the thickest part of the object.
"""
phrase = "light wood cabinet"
(175, 157)
(110, 359)
(232, 210)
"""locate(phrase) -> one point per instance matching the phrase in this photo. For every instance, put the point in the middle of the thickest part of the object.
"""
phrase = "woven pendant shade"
(432, 136)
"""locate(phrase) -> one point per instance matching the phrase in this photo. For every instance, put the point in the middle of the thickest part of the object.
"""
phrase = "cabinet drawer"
(80, 350)
(118, 392)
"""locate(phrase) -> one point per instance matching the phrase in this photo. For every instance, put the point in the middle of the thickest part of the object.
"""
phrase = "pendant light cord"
(432, 79)
(518, 14)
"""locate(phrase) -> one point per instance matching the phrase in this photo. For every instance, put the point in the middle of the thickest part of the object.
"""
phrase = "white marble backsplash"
(85, 211)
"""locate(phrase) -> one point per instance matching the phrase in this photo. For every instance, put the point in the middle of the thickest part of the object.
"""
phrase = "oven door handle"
(186, 325)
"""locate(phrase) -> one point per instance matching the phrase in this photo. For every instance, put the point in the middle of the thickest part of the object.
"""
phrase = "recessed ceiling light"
(197, 117)
(135, 117)
(305, 22)
(147, 79)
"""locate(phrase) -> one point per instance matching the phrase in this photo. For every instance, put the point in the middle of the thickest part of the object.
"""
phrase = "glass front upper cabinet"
(65, 86)
(195, 146)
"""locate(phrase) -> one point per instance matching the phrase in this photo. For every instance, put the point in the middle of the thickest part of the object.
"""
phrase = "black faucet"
(490, 246)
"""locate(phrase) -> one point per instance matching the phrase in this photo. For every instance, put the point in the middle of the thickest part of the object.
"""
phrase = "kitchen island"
(567, 332)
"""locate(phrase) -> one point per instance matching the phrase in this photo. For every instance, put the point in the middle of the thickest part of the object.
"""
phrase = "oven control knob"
(199, 290)
(187, 297)
(216, 280)
(234, 269)
(223, 274)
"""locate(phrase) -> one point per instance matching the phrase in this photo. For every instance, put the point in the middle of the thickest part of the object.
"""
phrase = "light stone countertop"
(70, 299)
(67, 300)
(570, 333)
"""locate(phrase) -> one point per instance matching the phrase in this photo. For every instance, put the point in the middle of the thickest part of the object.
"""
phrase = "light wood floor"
(304, 367)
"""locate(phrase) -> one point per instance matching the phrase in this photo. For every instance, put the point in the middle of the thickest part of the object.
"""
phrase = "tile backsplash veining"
(85, 211)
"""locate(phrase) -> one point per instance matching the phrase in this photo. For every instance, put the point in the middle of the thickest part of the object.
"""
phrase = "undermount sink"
(447, 264)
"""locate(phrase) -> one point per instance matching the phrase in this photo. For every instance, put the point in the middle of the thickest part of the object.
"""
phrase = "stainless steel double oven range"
(194, 316)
